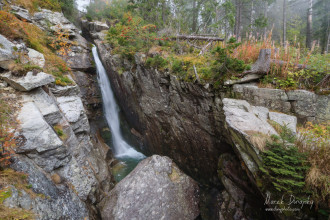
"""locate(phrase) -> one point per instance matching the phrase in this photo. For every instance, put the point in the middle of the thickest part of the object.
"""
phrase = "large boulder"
(243, 123)
(241, 116)
(155, 189)
(6, 53)
(29, 81)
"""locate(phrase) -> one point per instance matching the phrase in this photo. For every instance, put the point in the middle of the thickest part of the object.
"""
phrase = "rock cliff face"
(307, 106)
(181, 120)
(205, 133)
(55, 149)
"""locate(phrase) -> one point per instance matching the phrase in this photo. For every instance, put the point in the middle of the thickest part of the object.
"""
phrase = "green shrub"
(177, 67)
(284, 167)
(157, 62)
(224, 63)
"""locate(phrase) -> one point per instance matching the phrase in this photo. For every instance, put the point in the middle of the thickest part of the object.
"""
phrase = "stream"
(125, 153)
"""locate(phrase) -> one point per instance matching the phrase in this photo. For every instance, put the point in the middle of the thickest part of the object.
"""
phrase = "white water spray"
(82, 4)
(111, 110)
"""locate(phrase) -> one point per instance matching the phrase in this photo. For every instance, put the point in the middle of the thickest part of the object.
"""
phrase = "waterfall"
(82, 4)
(111, 111)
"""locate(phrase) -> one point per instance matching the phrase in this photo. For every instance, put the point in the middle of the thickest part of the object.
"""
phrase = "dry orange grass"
(13, 28)
(258, 139)
(314, 140)
(249, 50)
(33, 5)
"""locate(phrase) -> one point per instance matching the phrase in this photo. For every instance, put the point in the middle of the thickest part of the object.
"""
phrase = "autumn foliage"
(60, 42)
(14, 29)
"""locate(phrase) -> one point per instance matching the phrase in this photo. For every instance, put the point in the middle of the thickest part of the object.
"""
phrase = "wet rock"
(83, 180)
(155, 189)
(241, 122)
(89, 89)
(28, 82)
(41, 143)
(248, 201)
(63, 164)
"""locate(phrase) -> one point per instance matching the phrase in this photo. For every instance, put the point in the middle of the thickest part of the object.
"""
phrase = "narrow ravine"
(121, 149)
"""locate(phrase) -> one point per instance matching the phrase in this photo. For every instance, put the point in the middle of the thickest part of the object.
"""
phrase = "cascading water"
(82, 4)
(111, 111)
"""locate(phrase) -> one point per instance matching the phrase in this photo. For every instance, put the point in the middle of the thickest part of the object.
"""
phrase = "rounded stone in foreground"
(155, 189)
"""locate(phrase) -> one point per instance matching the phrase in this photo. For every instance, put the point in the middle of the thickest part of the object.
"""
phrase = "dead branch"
(196, 37)
(193, 45)
(204, 48)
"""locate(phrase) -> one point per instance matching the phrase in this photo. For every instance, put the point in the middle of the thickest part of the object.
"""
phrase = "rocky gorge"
(207, 133)
(204, 162)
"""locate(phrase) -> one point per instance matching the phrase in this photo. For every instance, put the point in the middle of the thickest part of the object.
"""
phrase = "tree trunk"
(251, 18)
(309, 25)
(164, 11)
(284, 22)
(238, 18)
(262, 65)
(265, 14)
(326, 23)
(195, 17)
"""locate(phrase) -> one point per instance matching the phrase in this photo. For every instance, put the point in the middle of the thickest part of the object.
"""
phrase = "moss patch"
(174, 175)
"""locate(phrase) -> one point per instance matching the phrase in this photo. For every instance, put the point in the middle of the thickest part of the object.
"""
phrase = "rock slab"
(28, 82)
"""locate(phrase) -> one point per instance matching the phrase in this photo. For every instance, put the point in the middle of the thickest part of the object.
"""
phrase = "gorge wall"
(67, 167)
(178, 119)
